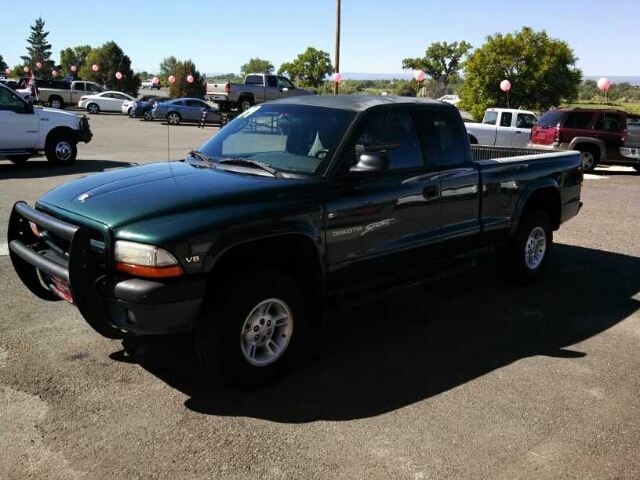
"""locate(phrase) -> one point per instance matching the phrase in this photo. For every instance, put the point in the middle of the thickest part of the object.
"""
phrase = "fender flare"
(592, 141)
(525, 195)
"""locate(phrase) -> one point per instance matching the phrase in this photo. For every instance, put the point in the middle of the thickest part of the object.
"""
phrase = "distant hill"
(631, 80)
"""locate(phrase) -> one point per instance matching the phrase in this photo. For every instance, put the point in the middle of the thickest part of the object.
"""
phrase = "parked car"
(27, 131)
(12, 84)
(104, 102)
(185, 110)
(631, 147)
(60, 93)
(452, 99)
(295, 202)
(598, 134)
(257, 88)
(142, 108)
(149, 84)
(502, 127)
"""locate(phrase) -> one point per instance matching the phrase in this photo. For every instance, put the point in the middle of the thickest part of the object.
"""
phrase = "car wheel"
(18, 159)
(173, 118)
(525, 257)
(93, 108)
(56, 103)
(245, 104)
(147, 116)
(60, 149)
(590, 158)
(253, 333)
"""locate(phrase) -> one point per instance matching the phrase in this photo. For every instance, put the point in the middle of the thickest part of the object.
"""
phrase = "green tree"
(74, 56)
(167, 66)
(309, 68)
(38, 50)
(181, 87)
(3, 65)
(541, 70)
(110, 59)
(256, 65)
(442, 62)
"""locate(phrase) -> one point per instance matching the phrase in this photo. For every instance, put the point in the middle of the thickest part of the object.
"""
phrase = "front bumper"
(84, 134)
(110, 303)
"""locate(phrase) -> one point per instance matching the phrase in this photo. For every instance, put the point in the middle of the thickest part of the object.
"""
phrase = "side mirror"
(284, 89)
(371, 162)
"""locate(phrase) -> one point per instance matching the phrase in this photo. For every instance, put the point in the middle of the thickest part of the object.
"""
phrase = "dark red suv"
(598, 134)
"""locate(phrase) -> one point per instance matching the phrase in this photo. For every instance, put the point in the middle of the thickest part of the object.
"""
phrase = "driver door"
(19, 127)
(286, 88)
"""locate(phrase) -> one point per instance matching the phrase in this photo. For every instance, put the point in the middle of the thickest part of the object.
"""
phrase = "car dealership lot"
(467, 378)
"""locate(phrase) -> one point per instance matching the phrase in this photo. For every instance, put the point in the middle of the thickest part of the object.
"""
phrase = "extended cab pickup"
(502, 127)
(60, 93)
(293, 203)
(257, 88)
(26, 130)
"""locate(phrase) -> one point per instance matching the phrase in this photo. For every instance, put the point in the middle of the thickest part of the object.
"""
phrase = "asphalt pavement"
(464, 378)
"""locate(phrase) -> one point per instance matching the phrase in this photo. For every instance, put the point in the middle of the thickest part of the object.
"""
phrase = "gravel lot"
(467, 378)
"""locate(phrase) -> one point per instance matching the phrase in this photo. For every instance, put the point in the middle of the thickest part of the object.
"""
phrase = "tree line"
(541, 70)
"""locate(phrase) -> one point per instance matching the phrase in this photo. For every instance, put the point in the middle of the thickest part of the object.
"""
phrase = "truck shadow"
(413, 345)
(40, 168)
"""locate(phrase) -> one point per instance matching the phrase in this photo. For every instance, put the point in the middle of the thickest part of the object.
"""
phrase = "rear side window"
(442, 137)
(551, 118)
(579, 120)
(490, 118)
(607, 122)
(272, 81)
(253, 79)
(397, 129)
(505, 120)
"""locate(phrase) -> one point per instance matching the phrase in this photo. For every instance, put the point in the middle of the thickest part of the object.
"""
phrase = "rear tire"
(245, 104)
(56, 102)
(60, 149)
(18, 159)
(174, 118)
(590, 158)
(252, 329)
(147, 116)
(93, 108)
(525, 257)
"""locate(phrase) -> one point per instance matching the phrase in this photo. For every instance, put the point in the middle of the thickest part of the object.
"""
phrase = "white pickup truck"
(26, 131)
(502, 127)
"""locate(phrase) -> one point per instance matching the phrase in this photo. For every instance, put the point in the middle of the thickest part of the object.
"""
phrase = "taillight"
(624, 135)
(227, 87)
(83, 98)
(556, 135)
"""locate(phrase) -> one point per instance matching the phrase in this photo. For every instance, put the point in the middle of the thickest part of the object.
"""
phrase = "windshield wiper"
(252, 163)
(202, 156)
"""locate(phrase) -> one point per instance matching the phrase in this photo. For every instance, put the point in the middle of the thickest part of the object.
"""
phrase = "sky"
(219, 36)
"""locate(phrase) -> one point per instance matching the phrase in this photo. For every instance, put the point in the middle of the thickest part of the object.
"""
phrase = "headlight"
(145, 260)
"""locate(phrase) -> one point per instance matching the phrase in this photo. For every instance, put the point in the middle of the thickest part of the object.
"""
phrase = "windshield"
(289, 138)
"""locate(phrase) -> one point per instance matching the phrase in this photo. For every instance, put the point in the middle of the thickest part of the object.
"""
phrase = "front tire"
(252, 330)
(525, 257)
(174, 118)
(93, 108)
(18, 159)
(61, 150)
(147, 116)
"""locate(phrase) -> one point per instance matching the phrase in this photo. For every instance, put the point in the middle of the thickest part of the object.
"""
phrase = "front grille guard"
(80, 269)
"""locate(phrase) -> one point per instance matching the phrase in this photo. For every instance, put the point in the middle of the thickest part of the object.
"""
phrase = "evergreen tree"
(3, 66)
(38, 50)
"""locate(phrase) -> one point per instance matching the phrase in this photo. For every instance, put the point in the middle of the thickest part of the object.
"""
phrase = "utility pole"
(336, 85)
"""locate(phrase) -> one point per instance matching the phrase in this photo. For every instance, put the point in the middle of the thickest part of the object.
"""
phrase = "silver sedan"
(185, 110)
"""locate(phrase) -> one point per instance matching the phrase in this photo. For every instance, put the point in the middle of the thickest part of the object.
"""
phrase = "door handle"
(518, 131)
(431, 192)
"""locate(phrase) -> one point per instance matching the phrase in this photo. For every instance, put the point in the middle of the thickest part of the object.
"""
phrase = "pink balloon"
(38, 65)
(119, 75)
(156, 80)
(419, 75)
(95, 68)
(337, 78)
(7, 72)
(604, 84)
(505, 85)
(190, 79)
(26, 69)
(172, 79)
(54, 73)
(73, 68)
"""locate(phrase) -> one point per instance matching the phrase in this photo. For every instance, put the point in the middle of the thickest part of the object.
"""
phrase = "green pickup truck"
(293, 203)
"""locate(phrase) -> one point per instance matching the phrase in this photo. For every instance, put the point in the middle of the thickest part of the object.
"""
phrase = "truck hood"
(53, 114)
(129, 195)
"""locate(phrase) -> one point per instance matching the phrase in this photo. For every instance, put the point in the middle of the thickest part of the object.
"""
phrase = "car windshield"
(290, 138)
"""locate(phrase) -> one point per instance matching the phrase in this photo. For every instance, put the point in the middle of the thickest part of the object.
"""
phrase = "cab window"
(505, 120)
(272, 81)
(11, 102)
(396, 130)
(285, 83)
(490, 118)
(442, 136)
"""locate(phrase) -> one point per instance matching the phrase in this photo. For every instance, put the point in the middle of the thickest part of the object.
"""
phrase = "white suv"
(26, 131)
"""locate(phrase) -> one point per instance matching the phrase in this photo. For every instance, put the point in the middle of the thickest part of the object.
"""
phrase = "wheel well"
(54, 97)
(174, 111)
(590, 147)
(247, 96)
(294, 254)
(473, 140)
(548, 200)
(61, 130)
